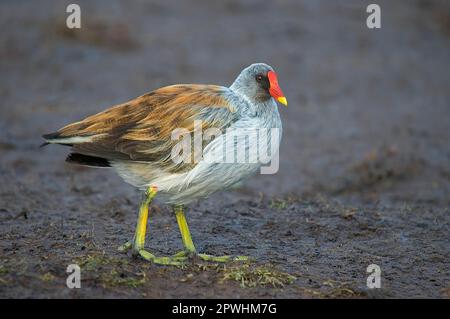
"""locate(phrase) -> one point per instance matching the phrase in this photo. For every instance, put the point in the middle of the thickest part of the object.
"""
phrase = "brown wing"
(140, 130)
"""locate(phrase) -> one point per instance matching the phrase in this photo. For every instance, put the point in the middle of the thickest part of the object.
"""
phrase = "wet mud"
(364, 173)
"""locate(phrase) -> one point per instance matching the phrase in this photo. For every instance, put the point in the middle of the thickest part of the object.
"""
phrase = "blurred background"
(369, 110)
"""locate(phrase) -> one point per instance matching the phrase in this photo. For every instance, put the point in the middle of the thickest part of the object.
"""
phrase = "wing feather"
(141, 129)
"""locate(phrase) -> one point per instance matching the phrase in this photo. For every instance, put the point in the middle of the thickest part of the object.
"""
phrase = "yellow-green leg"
(189, 245)
(184, 229)
(139, 238)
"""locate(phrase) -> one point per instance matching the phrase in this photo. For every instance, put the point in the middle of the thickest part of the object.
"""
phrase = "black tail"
(51, 136)
(87, 160)
(48, 137)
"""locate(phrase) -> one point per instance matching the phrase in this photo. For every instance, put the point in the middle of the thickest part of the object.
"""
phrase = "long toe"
(184, 253)
(167, 261)
(222, 259)
(125, 247)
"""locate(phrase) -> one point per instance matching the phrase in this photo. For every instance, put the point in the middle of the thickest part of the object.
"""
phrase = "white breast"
(239, 152)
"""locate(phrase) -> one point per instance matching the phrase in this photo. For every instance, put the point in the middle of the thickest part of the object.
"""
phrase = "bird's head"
(259, 82)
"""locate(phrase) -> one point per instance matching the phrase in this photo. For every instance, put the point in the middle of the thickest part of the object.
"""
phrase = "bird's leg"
(184, 230)
(139, 238)
(141, 227)
(189, 245)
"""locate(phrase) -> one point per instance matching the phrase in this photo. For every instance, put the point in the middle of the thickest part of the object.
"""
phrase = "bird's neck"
(258, 108)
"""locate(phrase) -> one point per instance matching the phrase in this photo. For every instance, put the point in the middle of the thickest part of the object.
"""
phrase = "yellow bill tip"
(282, 100)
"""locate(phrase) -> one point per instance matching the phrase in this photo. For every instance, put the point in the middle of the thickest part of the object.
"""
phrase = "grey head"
(259, 83)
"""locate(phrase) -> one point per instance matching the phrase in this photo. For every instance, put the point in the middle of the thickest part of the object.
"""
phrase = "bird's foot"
(172, 261)
(206, 257)
(181, 257)
(176, 260)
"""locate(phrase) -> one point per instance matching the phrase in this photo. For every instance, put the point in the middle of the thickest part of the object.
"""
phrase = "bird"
(135, 139)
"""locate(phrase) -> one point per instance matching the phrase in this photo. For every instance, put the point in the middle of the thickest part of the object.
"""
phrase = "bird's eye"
(259, 78)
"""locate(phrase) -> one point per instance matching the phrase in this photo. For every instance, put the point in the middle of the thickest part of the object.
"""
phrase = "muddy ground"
(364, 163)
